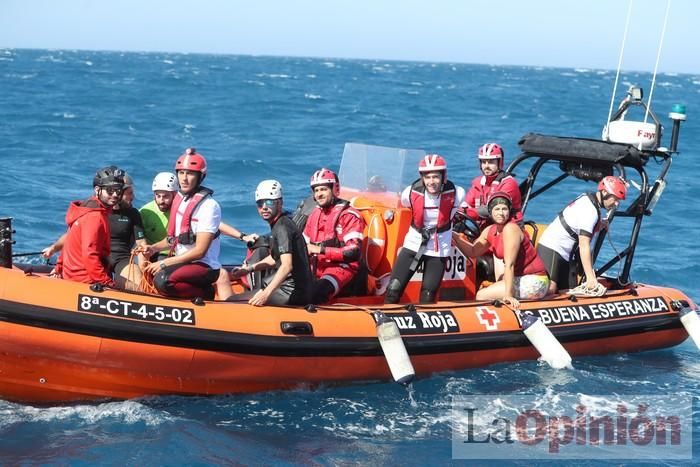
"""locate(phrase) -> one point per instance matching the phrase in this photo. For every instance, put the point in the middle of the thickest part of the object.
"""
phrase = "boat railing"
(591, 160)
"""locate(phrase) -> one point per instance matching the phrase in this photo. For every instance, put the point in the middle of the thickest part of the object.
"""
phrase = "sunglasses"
(610, 195)
(268, 203)
(113, 191)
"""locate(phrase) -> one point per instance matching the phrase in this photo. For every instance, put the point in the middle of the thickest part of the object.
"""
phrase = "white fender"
(543, 340)
(691, 323)
(394, 350)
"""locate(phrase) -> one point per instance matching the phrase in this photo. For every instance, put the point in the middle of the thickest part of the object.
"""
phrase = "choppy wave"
(127, 413)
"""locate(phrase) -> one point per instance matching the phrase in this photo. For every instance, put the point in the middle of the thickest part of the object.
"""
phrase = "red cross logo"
(488, 318)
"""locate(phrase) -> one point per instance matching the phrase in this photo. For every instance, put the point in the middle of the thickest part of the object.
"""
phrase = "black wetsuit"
(125, 228)
(296, 288)
(261, 247)
(285, 237)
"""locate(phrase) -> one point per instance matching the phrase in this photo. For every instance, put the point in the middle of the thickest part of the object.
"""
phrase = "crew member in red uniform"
(525, 276)
(85, 254)
(334, 234)
(493, 178)
(433, 200)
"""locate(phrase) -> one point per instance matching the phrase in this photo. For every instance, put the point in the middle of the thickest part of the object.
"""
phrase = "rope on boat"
(619, 62)
(656, 66)
(347, 306)
(145, 285)
(452, 306)
(583, 291)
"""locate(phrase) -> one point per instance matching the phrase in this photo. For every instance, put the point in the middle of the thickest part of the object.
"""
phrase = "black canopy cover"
(582, 150)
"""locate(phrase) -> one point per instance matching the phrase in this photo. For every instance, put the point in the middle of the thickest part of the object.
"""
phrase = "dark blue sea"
(63, 114)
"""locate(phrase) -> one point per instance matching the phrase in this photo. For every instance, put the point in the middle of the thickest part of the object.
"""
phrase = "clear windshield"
(378, 169)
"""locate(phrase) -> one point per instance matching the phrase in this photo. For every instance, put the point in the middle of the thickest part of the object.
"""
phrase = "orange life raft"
(63, 341)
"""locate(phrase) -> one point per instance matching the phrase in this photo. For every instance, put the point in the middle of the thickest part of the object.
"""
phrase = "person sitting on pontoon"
(193, 235)
(291, 282)
(126, 231)
(334, 232)
(573, 229)
(524, 275)
(85, 248)
(155, 213)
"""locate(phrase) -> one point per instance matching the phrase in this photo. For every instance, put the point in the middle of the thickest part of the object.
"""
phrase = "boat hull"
(58, 345)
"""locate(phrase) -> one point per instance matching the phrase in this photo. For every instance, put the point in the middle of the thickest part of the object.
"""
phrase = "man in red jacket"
(333, 233)
(493, 179)
(85, 253)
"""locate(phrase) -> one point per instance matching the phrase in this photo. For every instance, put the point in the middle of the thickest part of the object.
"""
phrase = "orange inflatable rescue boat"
(64, 341)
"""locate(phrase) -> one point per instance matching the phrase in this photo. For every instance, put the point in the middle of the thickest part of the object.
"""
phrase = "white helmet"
(165, 181)
(268, 189)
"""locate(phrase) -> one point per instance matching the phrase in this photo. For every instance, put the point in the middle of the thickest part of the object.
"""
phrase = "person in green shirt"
(155, 214)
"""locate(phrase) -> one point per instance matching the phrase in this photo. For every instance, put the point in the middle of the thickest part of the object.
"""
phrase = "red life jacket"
(481, 189)
(484, 186)
(330, 222)
(186, 236)
(527, 262)
(447, 201)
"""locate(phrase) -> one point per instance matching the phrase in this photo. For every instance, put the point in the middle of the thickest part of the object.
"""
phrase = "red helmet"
(433, 163)
(326, 177)
(191, 160)
(492, 151)
(614, 185)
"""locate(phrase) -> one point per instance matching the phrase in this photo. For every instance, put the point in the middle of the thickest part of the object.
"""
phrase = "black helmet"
(109, 176)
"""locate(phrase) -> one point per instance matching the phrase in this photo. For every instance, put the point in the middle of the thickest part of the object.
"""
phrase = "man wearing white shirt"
(193, 236)
(433, 200)
(573, 229)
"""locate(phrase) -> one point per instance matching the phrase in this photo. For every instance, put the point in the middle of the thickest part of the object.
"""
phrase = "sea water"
(67, 113)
